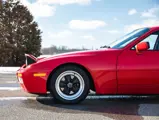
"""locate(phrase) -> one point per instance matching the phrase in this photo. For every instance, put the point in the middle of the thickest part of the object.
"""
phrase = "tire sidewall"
(55, 75)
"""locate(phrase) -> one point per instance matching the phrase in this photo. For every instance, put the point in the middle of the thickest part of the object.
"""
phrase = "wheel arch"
(92, 85)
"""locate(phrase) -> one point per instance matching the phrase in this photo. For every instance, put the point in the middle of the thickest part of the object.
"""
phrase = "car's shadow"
(135, 106)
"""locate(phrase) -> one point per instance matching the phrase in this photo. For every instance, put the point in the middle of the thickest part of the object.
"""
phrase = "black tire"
(61, 70)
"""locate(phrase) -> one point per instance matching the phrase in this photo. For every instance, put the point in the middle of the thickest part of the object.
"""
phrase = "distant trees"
(61, 49)
(19, 33)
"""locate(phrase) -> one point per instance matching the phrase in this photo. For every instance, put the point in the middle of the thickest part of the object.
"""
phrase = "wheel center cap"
(69, 85)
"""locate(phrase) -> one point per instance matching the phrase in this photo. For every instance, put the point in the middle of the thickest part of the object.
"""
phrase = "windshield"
(125, 40)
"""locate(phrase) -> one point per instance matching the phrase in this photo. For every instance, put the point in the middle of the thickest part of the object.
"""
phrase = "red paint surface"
(114, 71)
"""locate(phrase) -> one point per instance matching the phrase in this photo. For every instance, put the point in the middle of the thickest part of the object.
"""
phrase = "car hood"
(78, 53)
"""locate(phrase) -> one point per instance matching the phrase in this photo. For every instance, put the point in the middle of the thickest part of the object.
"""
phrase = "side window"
(152, 41)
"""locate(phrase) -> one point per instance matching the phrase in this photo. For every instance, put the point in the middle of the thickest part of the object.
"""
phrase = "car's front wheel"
(69, 84)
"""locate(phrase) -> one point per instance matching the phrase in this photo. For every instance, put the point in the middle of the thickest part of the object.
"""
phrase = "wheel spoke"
(75, 80)
(62, 84)
(75, 89)
(66, 90)
(67, 78)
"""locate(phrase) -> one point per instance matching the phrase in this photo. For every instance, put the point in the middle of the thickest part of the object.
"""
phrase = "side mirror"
(142, 46)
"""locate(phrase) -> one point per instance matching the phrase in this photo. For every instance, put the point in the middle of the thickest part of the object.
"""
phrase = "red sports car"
(130, 65)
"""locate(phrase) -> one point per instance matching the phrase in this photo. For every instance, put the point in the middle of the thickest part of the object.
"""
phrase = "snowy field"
(8, 70)
(12, 70)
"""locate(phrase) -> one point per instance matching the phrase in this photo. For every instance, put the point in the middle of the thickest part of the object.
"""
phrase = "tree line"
(59, 49)
(19, 33)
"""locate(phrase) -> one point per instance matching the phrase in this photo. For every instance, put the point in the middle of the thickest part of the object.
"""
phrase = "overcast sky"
(90, 23)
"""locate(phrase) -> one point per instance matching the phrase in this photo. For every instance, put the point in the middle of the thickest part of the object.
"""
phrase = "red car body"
(113, 71)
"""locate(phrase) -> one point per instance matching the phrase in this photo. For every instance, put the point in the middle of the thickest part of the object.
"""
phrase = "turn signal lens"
(39, 74)
(19, 75)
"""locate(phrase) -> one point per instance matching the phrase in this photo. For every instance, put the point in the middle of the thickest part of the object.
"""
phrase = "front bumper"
(30, 81)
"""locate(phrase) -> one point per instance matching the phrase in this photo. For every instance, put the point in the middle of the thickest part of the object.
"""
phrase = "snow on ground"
(9, 88)
(8, 70)
(12, 70)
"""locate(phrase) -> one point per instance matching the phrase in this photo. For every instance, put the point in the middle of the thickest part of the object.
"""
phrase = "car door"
(139, 73)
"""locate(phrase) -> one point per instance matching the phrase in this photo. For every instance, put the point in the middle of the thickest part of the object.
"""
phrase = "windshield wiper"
(105, 46)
